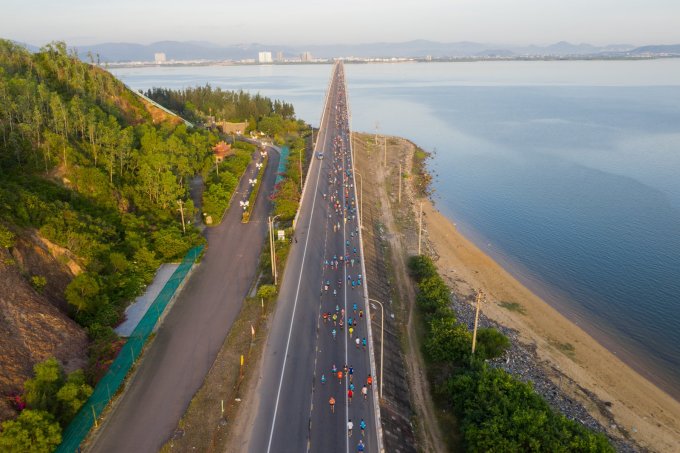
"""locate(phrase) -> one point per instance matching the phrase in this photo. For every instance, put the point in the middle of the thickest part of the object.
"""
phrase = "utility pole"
(301, 151)
(399, 182)
(217, 167)
(420, 227)
(377, 126)
(385, 142)
(474, 332)
(181, 211)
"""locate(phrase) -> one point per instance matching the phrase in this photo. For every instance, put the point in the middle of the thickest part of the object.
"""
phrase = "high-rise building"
(159, 57)
(279, 56)
(306, 56)
(264, 57)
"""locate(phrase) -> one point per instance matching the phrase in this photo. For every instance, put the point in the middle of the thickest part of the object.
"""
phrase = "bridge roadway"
(293, 411)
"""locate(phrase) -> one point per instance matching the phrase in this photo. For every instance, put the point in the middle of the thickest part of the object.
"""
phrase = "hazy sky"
(521, 22)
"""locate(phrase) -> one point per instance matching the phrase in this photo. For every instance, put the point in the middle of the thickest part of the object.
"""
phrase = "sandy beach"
(640, 410)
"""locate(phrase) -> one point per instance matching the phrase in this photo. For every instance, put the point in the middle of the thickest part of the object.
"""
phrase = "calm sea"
(567, 173)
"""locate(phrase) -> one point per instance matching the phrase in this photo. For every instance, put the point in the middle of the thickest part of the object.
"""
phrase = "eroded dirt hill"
(33, 325)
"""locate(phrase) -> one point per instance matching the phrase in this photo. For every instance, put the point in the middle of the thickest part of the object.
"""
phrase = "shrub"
(491, 344)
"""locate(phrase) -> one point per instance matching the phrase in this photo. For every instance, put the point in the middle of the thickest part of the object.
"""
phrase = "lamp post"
(361, 198)
(382, 340)
(420, 227)
(272, 247)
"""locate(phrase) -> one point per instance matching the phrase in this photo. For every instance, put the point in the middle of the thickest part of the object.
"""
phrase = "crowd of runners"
(343, 280)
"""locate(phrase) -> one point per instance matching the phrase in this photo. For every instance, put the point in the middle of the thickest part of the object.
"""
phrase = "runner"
(331, 402)
(350, 394)
(369, 381)
(323, 378)
(360, 446)
(362, 425)
(350, 425)
(364, 391)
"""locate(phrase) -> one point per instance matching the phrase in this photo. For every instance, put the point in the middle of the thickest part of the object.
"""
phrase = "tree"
(266, 292)
(71, 396)
(41, 390)
(448, 342)
(82, 292)
(34, 431)
(421, 267)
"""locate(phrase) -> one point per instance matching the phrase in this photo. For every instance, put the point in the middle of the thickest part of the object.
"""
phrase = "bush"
(499, 413)
(34, 431)
(41, 390)
(448, 342)
(491, 344)
(38, 282)
(266, 292)
(6, 238)
(421, 267)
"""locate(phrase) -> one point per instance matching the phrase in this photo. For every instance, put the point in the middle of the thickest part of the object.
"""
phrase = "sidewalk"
(138, 308)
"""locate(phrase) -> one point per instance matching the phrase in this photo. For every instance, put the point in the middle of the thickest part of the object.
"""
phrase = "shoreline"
(642, 411)
(558, 299)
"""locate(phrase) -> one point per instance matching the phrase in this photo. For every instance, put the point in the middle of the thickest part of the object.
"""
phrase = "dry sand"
(640, 409)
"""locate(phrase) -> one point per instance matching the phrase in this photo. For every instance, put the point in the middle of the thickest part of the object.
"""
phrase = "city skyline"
(299, 22)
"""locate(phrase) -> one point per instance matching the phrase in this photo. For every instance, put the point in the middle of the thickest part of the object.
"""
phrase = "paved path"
(187, 343)
(136, 310)
(293, 413)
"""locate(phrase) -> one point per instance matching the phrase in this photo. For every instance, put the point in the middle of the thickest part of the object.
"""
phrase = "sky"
(312, 22)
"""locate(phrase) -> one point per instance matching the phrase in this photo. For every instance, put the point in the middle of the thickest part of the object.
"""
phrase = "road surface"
(174, 367)
(293, 413)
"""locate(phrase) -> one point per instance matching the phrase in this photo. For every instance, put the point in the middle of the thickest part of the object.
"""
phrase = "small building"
(279, 57)
(264, 57)
(306, 57)
(221, 151)
(159, 57)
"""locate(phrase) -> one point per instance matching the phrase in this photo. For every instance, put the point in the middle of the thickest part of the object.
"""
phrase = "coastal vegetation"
(495, 411)
(96, 172)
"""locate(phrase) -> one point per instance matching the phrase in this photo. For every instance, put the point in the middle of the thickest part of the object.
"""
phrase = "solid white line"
(371, 352)
(297, 293)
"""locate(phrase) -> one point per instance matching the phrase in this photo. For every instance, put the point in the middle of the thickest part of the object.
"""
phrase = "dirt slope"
(32, 327)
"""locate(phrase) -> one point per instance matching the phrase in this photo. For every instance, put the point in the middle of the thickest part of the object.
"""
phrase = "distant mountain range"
(197, 50)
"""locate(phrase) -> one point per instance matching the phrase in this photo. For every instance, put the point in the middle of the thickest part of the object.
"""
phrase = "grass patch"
(514, 306)
(567, 349)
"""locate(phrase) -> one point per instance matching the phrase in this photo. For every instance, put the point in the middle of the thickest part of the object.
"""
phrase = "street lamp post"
(361, 198)
(272, 248)
(382, 340)
(420, 227)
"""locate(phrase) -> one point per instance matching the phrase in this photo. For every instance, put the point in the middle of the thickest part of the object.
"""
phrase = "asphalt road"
(293, 411)
(174, 367)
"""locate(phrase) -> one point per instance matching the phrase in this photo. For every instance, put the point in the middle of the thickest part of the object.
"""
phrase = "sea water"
(566, 172)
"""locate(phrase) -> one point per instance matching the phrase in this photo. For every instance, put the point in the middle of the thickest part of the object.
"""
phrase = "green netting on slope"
(77, 430)
(282, 164)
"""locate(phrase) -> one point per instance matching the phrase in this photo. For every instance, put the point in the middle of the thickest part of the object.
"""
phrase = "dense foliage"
(496, 412)
(196, 103)
(52, 399)
(221, 183)
(34, 431)
(81, 162)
